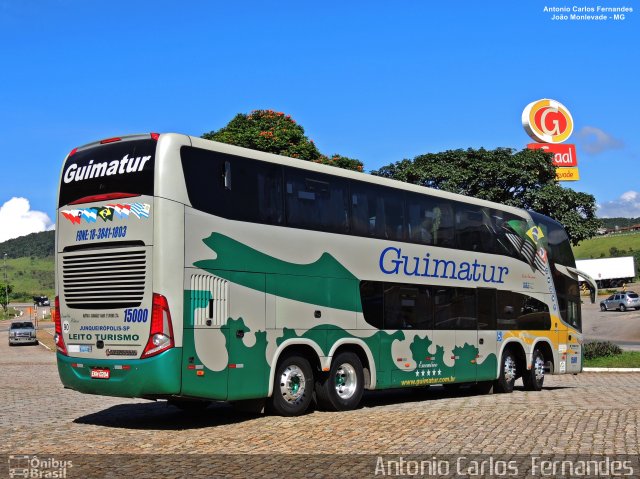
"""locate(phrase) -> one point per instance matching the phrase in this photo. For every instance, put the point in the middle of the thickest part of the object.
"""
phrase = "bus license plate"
(97, 373)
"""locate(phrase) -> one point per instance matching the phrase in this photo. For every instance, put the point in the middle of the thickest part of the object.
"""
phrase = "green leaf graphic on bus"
(321, 282)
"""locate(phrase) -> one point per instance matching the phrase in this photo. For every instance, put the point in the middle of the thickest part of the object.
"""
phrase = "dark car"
(622, 301)
(41, 301)
(21, 332)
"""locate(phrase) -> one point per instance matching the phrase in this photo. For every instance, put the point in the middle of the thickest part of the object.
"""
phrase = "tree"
(3, 294)
(275, 132)
(525, 179)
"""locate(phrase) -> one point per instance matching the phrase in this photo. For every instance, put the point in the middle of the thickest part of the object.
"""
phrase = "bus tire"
(534, 377)
(508, 373)
(292, 386)
(342, 388)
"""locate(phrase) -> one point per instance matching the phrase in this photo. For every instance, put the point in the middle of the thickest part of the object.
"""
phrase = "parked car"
(22, 332)
(41, 301)
(621, 301)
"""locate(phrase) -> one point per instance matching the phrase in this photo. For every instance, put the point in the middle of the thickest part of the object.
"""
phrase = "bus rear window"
(122, 167)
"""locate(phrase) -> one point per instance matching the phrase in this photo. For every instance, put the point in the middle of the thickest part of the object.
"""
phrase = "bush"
(600, 349)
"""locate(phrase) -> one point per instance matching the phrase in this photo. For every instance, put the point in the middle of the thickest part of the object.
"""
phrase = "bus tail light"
(58, 339)
(110, 140)
(161, 333)
(103, 197)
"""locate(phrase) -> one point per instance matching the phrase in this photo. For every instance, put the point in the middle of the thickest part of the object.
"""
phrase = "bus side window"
(315, 201)
(443, 225)
(377, 211)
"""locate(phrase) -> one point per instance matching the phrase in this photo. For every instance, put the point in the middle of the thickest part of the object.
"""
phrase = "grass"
(599, 245)
(30, 277)
(628, 359)
(11, 312)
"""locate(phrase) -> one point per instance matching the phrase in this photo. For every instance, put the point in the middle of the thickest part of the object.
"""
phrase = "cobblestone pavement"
(590, 413)
(587, 413)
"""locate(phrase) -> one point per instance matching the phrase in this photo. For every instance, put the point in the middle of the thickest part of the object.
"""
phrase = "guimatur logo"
(105, 168)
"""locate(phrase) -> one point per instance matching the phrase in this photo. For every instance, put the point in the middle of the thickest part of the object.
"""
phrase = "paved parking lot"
(622, 328)
(592, 413)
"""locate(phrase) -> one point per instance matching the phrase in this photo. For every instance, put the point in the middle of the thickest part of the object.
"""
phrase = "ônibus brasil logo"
(547, 121)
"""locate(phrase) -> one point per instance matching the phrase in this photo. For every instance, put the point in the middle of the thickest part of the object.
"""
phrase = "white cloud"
(18, 219)
(595, 141)
(627, 206)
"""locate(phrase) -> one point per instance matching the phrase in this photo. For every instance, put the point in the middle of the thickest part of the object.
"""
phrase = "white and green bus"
(195, 271)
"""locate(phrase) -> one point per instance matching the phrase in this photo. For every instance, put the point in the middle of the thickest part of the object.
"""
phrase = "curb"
(611, 370)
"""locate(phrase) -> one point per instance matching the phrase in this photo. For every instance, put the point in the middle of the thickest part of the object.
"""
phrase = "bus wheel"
(293, 386)
(508, 373)
(534, 377)
(342, 388)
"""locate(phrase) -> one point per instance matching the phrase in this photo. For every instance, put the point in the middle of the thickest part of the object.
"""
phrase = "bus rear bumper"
(151, 377)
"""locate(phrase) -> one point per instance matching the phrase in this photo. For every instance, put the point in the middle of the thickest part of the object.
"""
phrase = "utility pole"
(6, 284)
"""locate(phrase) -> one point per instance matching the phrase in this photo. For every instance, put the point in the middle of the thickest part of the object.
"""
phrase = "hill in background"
(611, 223)
(35, 245)
(29, 266)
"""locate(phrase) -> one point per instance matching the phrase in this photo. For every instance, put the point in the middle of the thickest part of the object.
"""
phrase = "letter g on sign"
(547, 121)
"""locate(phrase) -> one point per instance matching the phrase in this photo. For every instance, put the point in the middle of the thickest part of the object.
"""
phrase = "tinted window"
(503, 232)
(455, 308)
(315, 201)
(233, 187)
(486, 309)
(120, 167)
(377, 211)
(421, 219)
(397, 306)
(407, 307)
(556, 240)
(371, 295)
(474, 228)
(632, 295)
(519, 311)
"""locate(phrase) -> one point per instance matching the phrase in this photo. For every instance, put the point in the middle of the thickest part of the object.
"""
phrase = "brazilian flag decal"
(106, 213)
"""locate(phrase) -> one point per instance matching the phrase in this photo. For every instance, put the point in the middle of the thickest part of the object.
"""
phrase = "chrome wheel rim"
(292, 384)
(538, 369)
(509, 369)
(346, 381)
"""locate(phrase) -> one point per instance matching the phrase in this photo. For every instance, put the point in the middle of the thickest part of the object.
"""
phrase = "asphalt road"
(622, 328)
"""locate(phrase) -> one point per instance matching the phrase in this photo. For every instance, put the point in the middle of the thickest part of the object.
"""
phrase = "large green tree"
(274, 132)
(525, 179)
(5, 289)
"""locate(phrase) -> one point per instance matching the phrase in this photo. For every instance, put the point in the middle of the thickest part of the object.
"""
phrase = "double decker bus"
(196, 271)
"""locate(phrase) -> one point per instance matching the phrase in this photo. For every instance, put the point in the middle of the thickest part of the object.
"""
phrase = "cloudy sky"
(377, 80)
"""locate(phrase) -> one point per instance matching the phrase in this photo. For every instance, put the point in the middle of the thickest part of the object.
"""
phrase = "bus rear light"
(103, 197)
(109, 140)
(155, 136)
(73, 152)
(57, 338)
(161, 333)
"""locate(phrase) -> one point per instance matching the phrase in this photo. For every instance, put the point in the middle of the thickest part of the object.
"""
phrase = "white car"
(21, 332)
(621, 301)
